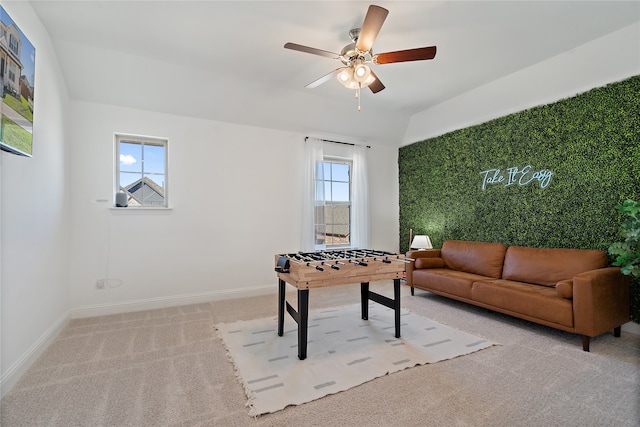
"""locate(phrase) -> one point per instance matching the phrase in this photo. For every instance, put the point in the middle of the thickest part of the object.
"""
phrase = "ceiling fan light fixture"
(361, 70)
(356, 76)
(345, 76)
(361, 73)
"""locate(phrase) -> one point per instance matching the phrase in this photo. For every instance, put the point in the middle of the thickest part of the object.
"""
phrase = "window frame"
(340, 161)
(142, 140)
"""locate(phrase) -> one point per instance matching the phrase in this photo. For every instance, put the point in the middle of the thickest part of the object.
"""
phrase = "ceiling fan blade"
(323, 79)
(418, 54)
(311, 50)
(377, 85)
(371, 27)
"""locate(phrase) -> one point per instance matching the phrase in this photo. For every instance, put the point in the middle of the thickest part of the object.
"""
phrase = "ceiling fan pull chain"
(358, 94)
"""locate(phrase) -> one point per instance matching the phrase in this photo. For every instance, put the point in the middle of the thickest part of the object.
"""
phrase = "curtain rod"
(338, 142)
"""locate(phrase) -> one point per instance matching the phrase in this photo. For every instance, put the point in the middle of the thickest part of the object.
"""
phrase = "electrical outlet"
(100, 284)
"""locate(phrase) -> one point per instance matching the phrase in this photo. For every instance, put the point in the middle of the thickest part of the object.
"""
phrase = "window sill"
(140, 210)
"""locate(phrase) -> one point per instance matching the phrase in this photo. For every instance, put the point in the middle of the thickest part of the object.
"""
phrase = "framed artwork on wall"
(17, 74)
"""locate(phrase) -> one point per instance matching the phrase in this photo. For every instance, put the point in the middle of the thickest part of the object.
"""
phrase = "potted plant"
(627, 253)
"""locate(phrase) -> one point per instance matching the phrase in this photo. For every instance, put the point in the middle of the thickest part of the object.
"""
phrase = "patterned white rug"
(343, 351)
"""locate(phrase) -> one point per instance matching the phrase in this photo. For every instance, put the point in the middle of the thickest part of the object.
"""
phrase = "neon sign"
(515, 175)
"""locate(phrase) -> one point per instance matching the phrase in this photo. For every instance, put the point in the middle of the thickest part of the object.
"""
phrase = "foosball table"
(306, 270)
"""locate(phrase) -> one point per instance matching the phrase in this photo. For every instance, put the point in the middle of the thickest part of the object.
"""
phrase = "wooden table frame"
(301, 315)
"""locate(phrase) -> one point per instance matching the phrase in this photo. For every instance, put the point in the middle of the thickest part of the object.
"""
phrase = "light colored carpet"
(343, 351)
(167, 367)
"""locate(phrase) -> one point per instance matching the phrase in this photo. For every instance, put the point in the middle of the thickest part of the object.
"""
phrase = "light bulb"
(345, 76)
(362, 73)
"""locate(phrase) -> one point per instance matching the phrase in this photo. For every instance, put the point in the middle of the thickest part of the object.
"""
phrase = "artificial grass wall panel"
(590, 142)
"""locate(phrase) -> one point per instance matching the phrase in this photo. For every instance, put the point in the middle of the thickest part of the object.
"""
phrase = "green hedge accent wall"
(591, 142)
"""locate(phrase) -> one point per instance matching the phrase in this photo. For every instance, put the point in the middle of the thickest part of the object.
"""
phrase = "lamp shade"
(345, 76)
(361, 73)
(421, 241)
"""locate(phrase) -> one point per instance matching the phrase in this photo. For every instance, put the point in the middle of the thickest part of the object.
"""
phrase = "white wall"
(34, 218)
(235, 193)
(605, 60)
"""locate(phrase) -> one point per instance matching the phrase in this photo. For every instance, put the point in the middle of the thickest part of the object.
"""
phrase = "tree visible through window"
(333, 203)
(141, 170)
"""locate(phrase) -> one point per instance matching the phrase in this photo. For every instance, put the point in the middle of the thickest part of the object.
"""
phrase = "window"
(333, 203)
(13, 44)
(12, 72)
(141, 170)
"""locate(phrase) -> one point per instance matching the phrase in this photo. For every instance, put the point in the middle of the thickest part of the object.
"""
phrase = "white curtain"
(359, 199)
(313, 154)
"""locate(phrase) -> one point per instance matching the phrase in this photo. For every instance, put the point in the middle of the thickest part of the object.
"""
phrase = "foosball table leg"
(281, 303)
(303, 322)
(364, 294)
(396, 304)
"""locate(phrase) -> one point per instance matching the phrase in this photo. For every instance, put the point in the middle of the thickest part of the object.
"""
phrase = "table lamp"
(420, 241)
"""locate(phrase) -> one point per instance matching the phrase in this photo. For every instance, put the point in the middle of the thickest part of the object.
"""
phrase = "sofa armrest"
(424, 253)
(430, 254)
(600, 301)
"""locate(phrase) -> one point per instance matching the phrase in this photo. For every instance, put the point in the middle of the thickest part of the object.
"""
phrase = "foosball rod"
(389, 256)
(388, 260)
(333, 266)
(364, 253)
(302, 258)
(297, 258)
(373, 252)
(317, 267)
(332, 257)
(320, 257)
(309, 260)
(322, 260)
(368, 253)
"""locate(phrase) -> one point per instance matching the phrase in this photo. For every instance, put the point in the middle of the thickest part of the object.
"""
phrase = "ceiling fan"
(355, 57)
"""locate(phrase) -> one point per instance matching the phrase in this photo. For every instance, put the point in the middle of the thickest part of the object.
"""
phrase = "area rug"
(343, 351)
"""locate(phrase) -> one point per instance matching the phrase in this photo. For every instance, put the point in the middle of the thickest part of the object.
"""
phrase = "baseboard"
(170, 301)
(632, 328)
(15, 371)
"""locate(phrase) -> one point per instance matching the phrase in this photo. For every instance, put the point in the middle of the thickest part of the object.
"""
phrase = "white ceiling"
(224, 60)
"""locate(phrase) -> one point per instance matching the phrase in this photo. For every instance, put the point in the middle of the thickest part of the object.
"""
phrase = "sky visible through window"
(333, 182)
(131, 163)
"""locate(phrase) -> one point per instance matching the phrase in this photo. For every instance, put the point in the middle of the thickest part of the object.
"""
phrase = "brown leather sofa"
(574, 290)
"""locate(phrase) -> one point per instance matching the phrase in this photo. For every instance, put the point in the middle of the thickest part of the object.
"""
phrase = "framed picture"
(17, 74)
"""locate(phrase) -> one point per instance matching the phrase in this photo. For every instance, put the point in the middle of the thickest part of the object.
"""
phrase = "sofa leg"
(413, 291)
(616, 331)
(585, 343)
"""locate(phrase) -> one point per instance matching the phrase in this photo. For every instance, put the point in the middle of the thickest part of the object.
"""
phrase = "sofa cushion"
(444, 280)
(539, 302)
(548, 266)
(481, 258)
(429, 263)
